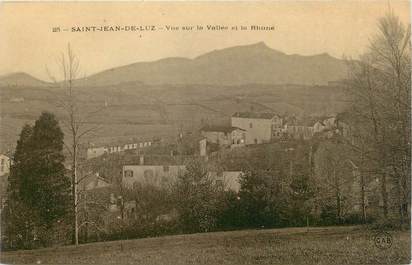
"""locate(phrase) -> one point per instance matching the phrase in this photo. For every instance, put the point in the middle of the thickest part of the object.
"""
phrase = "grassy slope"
(135, 110)
(338, 245)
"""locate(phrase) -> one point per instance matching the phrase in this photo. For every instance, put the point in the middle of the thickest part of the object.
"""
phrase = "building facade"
(299, 131)
(157, 175)
(224, 135)
(4, 165)
(96, 151)
(259, 127)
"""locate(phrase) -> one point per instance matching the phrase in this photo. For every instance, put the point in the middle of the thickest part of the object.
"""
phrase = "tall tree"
(75, 121)
(197, 198)
(49, 188)
(19, 167)
(333, 176)
(380, 87)
(263, 197)
(39, 190)
(18, 219)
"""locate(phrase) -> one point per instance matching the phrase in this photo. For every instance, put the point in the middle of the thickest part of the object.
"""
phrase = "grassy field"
(337, 245)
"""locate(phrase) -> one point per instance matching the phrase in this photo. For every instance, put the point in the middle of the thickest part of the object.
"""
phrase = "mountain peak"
(21, 79)
(258, 48)
(260, 44)
(324, 54)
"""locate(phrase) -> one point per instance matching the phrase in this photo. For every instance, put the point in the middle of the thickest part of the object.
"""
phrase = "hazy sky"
(28, 44)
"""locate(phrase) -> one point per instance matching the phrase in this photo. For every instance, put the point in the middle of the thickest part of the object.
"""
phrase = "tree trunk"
(338, 201)
(74, 191)
(362, 180)
(384, 195)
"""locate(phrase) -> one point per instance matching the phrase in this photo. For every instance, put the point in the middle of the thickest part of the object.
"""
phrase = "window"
(250, 125)
(148, 175)
(128, 173)
(219, 183)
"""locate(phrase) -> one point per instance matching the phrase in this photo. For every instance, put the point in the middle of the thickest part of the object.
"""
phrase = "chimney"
(141, 160)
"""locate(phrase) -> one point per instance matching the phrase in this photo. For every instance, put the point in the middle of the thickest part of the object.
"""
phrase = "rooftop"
(255, 115)
(225, 129)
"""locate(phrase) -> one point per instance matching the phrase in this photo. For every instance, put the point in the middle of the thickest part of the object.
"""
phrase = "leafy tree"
(300, 203)
(197, 198)
(263, 196)
(151, 201)
(333, 178)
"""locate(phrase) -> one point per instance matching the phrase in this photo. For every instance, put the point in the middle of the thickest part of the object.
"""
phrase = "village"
(159, 163)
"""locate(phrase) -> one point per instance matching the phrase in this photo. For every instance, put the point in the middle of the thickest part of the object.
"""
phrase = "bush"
(390, 224)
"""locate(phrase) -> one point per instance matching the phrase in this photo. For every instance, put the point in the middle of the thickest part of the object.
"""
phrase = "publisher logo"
(383, 240)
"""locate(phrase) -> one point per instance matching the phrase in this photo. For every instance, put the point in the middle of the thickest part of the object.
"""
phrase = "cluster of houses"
(142, 174)
(246, 128)
(257, 128)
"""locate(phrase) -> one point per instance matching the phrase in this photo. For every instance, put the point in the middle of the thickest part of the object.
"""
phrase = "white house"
(4, 164)
(259, 127)
(161, 175)
(318, 127)
(157, 175)
(93, 152)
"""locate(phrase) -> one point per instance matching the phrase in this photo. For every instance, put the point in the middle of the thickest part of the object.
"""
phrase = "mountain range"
(239, 65)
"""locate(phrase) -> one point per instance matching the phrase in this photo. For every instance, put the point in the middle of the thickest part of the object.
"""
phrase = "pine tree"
(49, 188)
(39, 190)
(18, 219)
(20, 161)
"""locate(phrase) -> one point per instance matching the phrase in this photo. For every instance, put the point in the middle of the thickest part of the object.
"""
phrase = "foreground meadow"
(332, 245)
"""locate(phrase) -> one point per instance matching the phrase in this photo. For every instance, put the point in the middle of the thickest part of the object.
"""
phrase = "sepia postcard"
(176, 133)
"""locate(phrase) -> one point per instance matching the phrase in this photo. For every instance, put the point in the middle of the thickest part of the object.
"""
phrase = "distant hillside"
(163, 97)
(239, 65)
(21, 80)
(250, 64)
